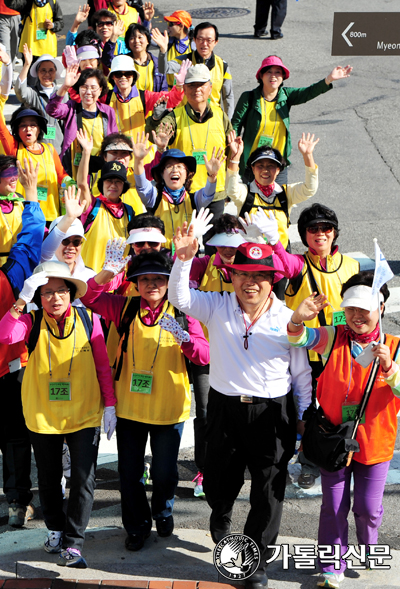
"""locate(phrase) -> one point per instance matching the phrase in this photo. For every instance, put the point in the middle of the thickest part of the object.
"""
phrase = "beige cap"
(61, 270)
(198, 73)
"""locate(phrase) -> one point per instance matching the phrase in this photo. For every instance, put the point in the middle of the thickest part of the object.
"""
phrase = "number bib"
(199, 154)
(77, 158)
(60, 391)
(339, 318)
(349, 413)
(51, 132)
(42, 192)
(41, 34)
(141, 382)
(266, 141)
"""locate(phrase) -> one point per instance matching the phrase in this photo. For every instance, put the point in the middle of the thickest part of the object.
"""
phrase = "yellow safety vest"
(94, 128)
(33, 27)
(85, 408)
(172, 54)
(129, 115)
(214, 281)
(10, 226)
(169, 401)
(339, 269)
(191, 136)
(271, 125)
(217, 75)
(130, 197)
(145, 79)
(173, 216)
(104, 227)
(47, 178)
(130, 17)
(3, 100)
(280, 215)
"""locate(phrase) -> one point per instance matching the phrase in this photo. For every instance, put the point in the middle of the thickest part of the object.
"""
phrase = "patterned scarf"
(365, 338)
(116, 208)
(174, 196)
(266, 190)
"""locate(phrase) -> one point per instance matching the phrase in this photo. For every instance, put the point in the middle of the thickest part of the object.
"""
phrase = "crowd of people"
(117, 169)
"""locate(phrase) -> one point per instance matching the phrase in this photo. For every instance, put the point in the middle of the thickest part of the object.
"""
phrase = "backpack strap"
(37, 317)
(86, 320)
(129, 211)
(191, 196)
(248, 203)
(93, 214)
(130, 311)
(153, 209)
(314, 288)
(143, 99)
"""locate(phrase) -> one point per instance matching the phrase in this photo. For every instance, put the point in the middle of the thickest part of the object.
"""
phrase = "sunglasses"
(75, 242)
(105, 23)
(149, 243)
(172, 24)
(323, 228)
(119, 75)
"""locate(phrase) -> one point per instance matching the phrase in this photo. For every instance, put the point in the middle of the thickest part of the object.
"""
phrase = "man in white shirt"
(257, 382)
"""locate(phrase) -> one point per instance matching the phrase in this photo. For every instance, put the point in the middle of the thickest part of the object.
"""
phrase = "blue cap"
(188, 160)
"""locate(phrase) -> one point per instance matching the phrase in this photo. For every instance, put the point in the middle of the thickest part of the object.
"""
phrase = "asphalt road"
(359, 165)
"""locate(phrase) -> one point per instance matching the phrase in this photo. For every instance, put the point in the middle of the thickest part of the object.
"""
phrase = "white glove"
(267, 224)
(200, 221)
(252, 232)
(114, 261)
(170, 324)
(31, 284)
(110, 421)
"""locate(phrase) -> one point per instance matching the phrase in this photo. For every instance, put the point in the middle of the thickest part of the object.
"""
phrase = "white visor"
(226, 240)
(146, 234)
(361, 296)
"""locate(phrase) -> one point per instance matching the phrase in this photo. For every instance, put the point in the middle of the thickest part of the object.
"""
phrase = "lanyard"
(176, 207)
(9, 228)
(118, 115)
(351, 371)
(158, 343)
(190, 132)
(336, 272)
(73, 349)
(264, 109)
(247, 328)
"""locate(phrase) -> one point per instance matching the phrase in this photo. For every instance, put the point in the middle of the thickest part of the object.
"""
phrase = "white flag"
(383, 272)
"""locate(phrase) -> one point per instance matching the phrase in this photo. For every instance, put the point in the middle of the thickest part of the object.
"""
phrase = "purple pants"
(369, 485)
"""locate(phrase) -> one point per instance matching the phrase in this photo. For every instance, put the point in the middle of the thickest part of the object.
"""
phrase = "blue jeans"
(164, 442)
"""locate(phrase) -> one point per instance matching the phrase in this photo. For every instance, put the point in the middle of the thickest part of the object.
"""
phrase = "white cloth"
(269, 368)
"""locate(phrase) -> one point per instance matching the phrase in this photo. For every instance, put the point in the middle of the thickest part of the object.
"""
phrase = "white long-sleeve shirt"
(269, 368)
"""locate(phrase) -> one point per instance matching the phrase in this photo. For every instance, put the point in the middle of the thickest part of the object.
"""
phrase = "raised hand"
(382, 352)
(200, 222)
(82, 14)
(181, 75)
(170, 324)
(142, 147)
(161, 39)
(28, 176)
(236, 146)
(160, 107)
(306, 143)
(73, 207)
(148, 10)
(164, 133)
(85, 141)
(267, 224)
(5, 58)
(185, 242)
(251, 231)
(214, 164)
(114, 259)
(339, 73)
(119, 30)
(309, 308)
(28, 56)
(31, 284)
(72, 75)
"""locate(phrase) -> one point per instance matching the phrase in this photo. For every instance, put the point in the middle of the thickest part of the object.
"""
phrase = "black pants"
(15, 443)
(262, 437)
(83, 447)
(201, 387)
(278, 13)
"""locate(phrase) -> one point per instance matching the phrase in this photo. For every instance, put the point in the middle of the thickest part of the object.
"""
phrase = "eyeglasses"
(114, 181)
(179, 167)
(49, 294)
(119, 75)
(204, 40)
(256, 276)
(75, 242)
(152, 244)
(89, 88)
(28, 126)
(105, 23)
(322, 228)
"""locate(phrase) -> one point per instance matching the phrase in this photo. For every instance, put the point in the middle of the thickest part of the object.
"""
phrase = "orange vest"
(13, 351)
(343, 374)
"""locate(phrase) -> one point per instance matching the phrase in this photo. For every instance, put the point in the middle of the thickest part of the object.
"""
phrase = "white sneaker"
(53, 542)
(66, 461)
(330, 580)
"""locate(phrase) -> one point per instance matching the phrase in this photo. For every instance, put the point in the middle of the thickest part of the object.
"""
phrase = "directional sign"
(366, 33)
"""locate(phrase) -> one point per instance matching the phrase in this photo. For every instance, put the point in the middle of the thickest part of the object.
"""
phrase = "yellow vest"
(192, 136)
(130, 197)
(339, 269)
(280, 215)
(173, 216)
(3, 100)
(129, 115)
(47, 178)
(169, 401)
(104, 227)
(214, 281)
(271, 125)
(172, 54)
(131, 16)
(10, 226)
(217, 76)
(113, 335)
(145, 79)
(34, 22)
(94, 128)
(85, 408)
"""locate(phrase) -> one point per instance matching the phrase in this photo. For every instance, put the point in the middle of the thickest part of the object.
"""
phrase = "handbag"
(329, 446)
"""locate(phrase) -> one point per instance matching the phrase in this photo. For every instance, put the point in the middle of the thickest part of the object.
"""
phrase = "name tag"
(41, 34)
(51, 132)
(60, 391)
(349, 413)
(266, 141)
(339, 318)
(141, 382)
(42, 192)
(199, 154)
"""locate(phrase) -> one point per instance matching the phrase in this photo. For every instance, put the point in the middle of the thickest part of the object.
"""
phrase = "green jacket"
(247, 113)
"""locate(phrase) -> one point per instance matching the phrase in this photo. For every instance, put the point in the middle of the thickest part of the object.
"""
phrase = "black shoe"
(135, 541)
(275, 36)
(165, 526)
(259, 34)
(306, 480)
(257, 581)
(220, 528)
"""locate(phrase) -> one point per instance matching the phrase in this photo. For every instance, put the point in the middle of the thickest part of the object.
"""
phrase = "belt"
(247, 399)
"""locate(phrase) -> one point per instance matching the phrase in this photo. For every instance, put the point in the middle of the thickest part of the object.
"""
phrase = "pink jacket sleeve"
(292, 263)
(105, 304)
(198, 349)
(102, 363)
(15, 330)
(148, 167)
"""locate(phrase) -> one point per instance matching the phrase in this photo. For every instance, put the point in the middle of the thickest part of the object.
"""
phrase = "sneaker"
(30, 512)
(330, 580)
(72, 557)
(198, 489)
(66, 461)
(63, 485)
(16, 515)
(146, 475)
(53, 542)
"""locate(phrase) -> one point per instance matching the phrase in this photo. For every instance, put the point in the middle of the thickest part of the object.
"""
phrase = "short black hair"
(14, 123)
(102, 13)
(206, 25)
(224, 224)
(37, 299)
(159, 257)
(7, 161)
(146, 220)
(364, 278)
(88, 37)
(313, 212)
(93, 73)
(248, 173)
(112, 138)
(133, 28)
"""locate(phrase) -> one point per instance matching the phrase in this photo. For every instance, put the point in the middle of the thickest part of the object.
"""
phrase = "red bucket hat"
(273, 60)
(253, 257)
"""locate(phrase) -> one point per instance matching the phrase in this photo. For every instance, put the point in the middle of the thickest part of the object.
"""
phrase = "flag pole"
(377, 294)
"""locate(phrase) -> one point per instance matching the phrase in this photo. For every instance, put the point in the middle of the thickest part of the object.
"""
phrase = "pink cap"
(273, 60)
